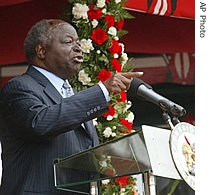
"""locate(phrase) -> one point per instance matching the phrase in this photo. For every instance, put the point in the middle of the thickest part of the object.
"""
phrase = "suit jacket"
(38, 126)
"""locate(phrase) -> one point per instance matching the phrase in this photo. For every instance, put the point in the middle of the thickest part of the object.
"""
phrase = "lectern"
(144, 151)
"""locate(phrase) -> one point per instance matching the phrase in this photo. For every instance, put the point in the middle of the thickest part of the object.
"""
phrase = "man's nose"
(77, 47)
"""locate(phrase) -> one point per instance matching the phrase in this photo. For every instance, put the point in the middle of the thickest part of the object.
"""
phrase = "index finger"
(130, 75)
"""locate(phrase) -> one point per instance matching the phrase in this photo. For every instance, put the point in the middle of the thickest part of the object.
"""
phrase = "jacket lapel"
(53, 93)
(49, 89)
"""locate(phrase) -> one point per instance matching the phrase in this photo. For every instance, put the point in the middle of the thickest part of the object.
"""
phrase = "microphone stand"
(168, 121)
(150, 176)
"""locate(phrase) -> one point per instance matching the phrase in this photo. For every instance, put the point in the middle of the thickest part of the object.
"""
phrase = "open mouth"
(78, 59)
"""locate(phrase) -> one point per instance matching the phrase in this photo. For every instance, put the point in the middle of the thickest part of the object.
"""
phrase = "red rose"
(123, 97)
(122, 181)
(116, 48)
(99, 36)
(104, 74)
(116, 65)
(119, 25)
(126, 124)
(111, 111)
(94, 13)
(109, 172)
(110, 20)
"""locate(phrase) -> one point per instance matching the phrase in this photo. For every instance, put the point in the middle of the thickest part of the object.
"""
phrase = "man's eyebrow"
(67, 35)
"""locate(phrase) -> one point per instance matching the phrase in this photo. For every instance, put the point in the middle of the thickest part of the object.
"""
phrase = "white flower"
(130, 117)
(122, 190)
(104, 10)
(112, 31)
(83, 77)
(103, 163)
(116, 38)
(128, 105)
(109, 118)
(123, 47)
(95, 121)
(115, 115)
(80, 11)
(86, 45)
(107, 132)
(98, 51)
(116, 55)
(100, 3)
(124, 57)
(117, 1)
(94, 23)
(114, 134)
(106, 181)
(129, 102)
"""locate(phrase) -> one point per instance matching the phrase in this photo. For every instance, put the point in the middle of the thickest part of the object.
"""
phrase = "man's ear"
(40, 51)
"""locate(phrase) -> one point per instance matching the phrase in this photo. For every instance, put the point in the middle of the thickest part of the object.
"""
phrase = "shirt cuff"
(105, 91)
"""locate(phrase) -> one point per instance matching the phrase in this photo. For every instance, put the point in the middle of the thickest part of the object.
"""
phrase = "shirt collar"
(54, 79)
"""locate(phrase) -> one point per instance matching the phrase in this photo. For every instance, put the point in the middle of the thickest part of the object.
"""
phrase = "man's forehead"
(56, 23)
(59, 28)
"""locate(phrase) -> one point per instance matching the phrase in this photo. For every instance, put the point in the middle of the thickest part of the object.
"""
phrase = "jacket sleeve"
(29, 112)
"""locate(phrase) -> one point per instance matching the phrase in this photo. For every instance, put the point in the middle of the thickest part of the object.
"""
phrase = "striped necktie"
(68, 89)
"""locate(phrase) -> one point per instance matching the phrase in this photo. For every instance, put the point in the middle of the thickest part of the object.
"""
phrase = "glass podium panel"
(123, 156)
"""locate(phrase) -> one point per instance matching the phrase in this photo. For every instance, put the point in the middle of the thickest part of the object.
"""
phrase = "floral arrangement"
(99, 24)
(103, 164)
(122, 185)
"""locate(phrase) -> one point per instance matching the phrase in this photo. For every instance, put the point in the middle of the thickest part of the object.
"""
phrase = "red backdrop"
(148, 33)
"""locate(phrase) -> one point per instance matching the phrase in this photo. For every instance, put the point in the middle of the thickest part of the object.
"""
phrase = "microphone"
(142, 90)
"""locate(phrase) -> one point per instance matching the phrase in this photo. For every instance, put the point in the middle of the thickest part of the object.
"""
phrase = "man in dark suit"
(40, 124)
